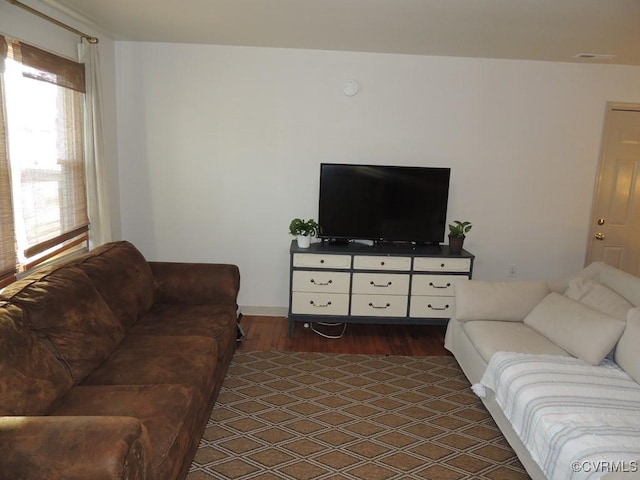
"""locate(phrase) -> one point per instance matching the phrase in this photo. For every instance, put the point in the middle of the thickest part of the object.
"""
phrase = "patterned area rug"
(316, 416)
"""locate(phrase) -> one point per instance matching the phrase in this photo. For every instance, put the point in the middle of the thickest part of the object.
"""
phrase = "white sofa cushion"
(582, 331)
(624, 283)
(503, 301)
(627, 353)
(599, 297)
(489, 337)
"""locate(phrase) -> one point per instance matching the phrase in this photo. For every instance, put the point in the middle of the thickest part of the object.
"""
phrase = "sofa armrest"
(74, 448)
(502, 301)
(196, 283)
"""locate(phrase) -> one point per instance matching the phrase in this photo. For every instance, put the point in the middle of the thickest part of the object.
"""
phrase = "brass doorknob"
(599, 236)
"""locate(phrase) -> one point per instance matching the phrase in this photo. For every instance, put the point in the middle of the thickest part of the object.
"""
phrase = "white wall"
(24, 26)
(219, 147)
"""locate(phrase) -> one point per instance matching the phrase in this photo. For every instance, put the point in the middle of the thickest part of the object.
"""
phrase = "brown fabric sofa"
(110, 365)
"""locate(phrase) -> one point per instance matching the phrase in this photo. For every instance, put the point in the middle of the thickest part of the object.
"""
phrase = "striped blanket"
(577, 421)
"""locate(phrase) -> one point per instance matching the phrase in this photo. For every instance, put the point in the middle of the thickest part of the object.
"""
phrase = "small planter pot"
(455, 244)
(304, 241)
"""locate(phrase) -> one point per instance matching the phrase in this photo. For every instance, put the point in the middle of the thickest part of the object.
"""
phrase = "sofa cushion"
(627, 353)
(489, 337)
(503, 301)
(123, 277)
(624, 283)
(200, 320)
(599, 297)
(213, 321)
(168, 412)
(152, 359)
(67, 313)
(31, 378)
(582, 331)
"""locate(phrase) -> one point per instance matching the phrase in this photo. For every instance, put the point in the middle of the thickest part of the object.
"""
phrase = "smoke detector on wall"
(351, 88)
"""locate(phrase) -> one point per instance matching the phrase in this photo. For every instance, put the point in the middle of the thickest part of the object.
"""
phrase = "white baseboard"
(264, 311)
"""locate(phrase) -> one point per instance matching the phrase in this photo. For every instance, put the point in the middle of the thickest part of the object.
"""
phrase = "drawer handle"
(446, 307)
(322, 260)
(383, 306)
(442, 265)
(320, 283)
(320, 305)
(380, 284)
(382, 263)
(439, 286)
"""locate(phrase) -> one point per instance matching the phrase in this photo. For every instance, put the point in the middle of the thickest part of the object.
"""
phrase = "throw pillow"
(504, 301)
(600, 297)
(627, 354)
(580, 330)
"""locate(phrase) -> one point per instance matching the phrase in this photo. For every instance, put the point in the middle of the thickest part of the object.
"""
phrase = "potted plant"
(457, 231)
(303, 230)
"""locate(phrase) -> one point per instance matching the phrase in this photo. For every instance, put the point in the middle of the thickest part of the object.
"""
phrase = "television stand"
(358, 283)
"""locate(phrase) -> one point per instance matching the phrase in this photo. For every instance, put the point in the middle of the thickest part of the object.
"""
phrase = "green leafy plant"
(303, 227)
(458, 229)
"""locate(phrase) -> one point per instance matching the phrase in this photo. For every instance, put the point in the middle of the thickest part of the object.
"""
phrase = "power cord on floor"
(326, 324)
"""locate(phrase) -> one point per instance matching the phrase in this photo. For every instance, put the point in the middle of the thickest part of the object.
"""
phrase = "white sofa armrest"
(502, 301)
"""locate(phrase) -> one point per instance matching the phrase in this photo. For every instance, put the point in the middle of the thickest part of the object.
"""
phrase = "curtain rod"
(29, 9)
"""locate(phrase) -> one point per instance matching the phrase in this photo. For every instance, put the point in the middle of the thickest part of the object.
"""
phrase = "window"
(43, 206)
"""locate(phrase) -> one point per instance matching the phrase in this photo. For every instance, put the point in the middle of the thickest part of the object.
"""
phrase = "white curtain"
(96, 169)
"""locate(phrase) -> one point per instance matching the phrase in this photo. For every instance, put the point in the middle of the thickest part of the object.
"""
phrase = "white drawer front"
(320, 281)
(437, 285)
(424, 264)
(373, 262)
(320, 303)
(379, 305)
(316, 260)
(381, 283)
(431, 307)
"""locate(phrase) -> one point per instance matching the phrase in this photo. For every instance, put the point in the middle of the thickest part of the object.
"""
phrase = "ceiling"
(551, 30)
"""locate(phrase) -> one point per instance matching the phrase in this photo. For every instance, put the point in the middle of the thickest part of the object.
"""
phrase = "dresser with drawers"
(359, 283)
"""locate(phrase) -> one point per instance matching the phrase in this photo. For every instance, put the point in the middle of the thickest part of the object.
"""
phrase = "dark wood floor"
(270, 333)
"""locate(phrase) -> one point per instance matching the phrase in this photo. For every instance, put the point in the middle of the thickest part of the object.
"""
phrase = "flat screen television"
(383, 203)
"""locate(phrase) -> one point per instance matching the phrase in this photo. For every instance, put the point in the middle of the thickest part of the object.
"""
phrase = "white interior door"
(615, 225)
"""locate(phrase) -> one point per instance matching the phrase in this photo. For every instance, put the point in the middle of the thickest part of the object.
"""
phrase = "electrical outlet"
(513, 271)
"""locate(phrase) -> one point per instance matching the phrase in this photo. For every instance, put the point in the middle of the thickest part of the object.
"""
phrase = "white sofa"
(578, 322)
